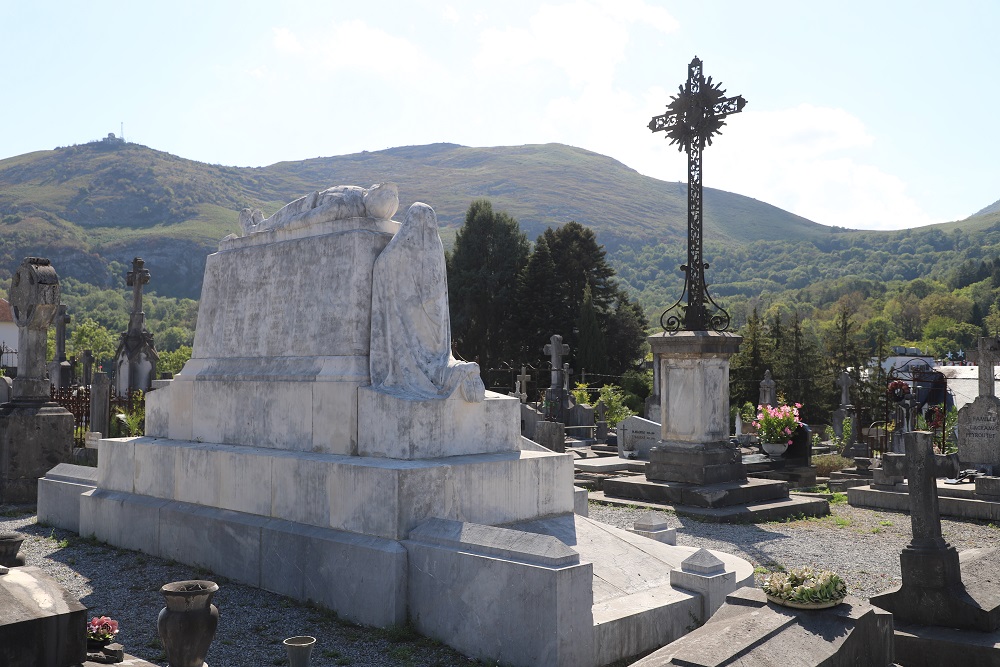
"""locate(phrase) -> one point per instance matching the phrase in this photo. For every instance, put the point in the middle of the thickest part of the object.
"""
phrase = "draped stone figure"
(411, 328)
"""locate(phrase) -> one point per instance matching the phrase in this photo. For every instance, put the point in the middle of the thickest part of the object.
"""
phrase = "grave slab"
(42, 625)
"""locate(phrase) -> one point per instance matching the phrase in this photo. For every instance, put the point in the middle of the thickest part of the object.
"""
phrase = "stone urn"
(299, 650)
(10, 543)
(187, 624)
(774, 448)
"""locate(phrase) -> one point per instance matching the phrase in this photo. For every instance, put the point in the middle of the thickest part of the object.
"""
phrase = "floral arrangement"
(102, 628)
(805, 586)
(897, 390)
(777, 424)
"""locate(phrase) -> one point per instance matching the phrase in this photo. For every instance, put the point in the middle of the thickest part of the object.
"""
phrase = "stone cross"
(768, 394)
(693, 117)
(601, 410)
(61, 320)
(989, 356)
(566, 372)
(88, 366)
(845, 382)
(522, 381)
(135, 279)
(931, 591)
(555, 349)
(34, 300)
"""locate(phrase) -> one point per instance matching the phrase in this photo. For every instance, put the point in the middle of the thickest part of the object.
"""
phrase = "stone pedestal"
(694, 405)
(42, 624)
(35, 436)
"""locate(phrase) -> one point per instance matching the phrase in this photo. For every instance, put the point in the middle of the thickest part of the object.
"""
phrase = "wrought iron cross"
(693, 117)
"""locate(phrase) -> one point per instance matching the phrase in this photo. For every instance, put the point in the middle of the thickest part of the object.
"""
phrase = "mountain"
(92, 207)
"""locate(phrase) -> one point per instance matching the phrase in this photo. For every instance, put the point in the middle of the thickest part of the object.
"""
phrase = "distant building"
(112, 139)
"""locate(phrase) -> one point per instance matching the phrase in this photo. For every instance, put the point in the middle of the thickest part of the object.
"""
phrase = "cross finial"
(693, 117)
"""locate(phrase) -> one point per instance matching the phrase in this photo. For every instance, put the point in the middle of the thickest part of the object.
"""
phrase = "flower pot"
(774, 448)
(187, 624)
(299, 650)
(96, 645)
(10, 543)
(804, 605)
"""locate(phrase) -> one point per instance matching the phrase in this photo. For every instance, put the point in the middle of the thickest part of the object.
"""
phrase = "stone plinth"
(35, 436)
(401, 428)
(694, 406)
(42, 624)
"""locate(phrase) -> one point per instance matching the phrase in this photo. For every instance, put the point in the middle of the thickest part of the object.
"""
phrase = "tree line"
(508, 297)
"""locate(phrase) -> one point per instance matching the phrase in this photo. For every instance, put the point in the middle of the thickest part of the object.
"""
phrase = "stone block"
(702, 464)
(580, 504)
(401, 428)
(360, 577)
(43, 624)
(467, 583)
(551, 435)
(122, 519)
(59, 495)
(34, 438)
(116, 471)
(988, 487)
(654, 526)
(703, 573)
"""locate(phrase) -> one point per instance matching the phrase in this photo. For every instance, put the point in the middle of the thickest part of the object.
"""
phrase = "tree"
(490, 252)
(748, 365)
(625, 335)
(537, 300)
(89, 335)
(591, 353)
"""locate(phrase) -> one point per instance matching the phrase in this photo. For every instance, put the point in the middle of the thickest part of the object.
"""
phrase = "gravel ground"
(861, 545)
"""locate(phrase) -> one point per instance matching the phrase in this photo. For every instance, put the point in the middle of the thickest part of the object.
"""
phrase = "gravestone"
(932, 591)
(636, 436)
(522, 383)
(580, 414)
(100, 403)
(88, 367)
(529, 420)
(35, 433)
(979, 421)
(136, 356)
(749, 630)
(61, 370)
(846, 410)
(556, 395)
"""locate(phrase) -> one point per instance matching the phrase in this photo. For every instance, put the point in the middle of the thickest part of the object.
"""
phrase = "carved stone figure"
(411, 328)
(337, 203)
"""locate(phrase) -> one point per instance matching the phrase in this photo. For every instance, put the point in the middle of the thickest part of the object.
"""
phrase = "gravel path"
(861, 545)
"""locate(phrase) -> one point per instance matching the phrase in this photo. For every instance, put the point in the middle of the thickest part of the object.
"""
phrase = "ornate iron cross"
(693, 117)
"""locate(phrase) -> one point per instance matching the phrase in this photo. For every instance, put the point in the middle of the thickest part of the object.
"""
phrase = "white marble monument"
(323, 443)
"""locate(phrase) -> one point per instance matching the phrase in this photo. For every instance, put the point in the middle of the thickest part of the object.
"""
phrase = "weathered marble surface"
(340, 202)
(411, 328)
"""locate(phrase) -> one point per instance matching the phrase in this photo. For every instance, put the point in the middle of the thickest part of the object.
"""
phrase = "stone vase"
(187, 624)
(10, 544)
(774, 448)
(299, 650)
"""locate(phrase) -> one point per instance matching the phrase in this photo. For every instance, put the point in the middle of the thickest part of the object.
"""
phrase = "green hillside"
(92, 207)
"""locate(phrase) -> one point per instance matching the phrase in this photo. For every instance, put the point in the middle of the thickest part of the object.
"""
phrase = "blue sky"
(876, 115)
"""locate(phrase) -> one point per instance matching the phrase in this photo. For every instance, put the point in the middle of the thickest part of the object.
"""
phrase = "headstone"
(60, 370)
(6, 389)
(580, 415)
(932, 591)
(768, 391)
(522, 384)
(100, 403)
(845, 411)
(845, 382)
(529, 420)
(601, 425)
(551, 435)
(35, 433)
(557, 393)
(88, 367)
(136, 356)
(636, 436)
(979, 421)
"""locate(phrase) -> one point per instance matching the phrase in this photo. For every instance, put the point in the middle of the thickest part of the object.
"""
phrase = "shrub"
(827, 463)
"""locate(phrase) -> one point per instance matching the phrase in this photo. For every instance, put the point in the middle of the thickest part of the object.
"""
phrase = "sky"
(862, 114)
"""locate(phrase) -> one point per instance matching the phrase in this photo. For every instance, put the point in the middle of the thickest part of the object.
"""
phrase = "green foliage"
(489, 255)
(591, 354)
(827, 463)
(614, 404)
(89, 335)
(172, 362)
(132, 419)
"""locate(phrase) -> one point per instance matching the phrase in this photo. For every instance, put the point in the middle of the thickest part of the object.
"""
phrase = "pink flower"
(788, 431)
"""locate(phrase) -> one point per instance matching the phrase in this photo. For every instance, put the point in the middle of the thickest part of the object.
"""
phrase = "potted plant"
(804, 588)
(775, 426)
(101, 630)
